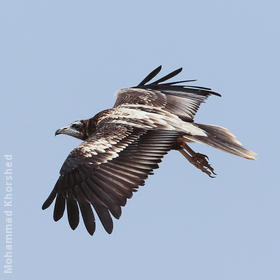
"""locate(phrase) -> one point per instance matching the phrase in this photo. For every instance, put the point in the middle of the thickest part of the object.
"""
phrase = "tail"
(220, 138)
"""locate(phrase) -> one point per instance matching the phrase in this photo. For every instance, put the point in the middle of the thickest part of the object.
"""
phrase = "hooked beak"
(62, 130)
(75, 130)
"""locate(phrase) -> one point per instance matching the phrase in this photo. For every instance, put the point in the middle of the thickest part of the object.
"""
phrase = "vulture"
(122, 146)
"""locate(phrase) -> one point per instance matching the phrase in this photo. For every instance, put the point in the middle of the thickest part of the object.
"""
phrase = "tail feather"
(220, 138)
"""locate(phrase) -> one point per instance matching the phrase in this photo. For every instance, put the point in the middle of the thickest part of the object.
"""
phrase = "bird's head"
(77, 129)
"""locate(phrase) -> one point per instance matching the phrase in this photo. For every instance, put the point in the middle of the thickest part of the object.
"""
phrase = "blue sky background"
(61, 61)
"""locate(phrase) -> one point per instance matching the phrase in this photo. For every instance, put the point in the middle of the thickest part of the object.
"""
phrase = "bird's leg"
(200, 161)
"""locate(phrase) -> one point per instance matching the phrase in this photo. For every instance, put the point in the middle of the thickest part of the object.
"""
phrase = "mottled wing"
(174, 97)
(104, 171)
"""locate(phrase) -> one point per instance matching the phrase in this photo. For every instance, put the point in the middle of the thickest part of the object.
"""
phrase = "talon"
(200, 161)
(200, 156)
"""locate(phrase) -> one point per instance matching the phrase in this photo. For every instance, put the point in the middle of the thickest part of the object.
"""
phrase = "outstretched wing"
(105, 170)
(174, 97)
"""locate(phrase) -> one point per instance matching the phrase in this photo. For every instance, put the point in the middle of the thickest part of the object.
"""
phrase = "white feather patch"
(158, 118)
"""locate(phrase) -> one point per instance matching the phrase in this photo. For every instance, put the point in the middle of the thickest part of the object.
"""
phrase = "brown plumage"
(123, 145)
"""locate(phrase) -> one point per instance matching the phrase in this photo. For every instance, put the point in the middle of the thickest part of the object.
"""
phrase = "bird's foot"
(200, 161)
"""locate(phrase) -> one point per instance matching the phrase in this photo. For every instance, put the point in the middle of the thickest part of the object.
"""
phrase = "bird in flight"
(123, 145)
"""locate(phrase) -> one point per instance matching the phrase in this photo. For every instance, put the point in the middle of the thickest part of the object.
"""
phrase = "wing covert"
(105, 175)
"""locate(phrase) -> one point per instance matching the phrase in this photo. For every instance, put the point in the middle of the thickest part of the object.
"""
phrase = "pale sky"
(62, 61)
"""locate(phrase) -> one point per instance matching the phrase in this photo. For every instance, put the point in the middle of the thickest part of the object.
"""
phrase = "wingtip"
(150, 76)
(73, 226)
(91, 231)
(216, 93)
(44, 206)
(177, 71)
(109, 231)
(108, 228)
(157, 70)
(57, 217)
